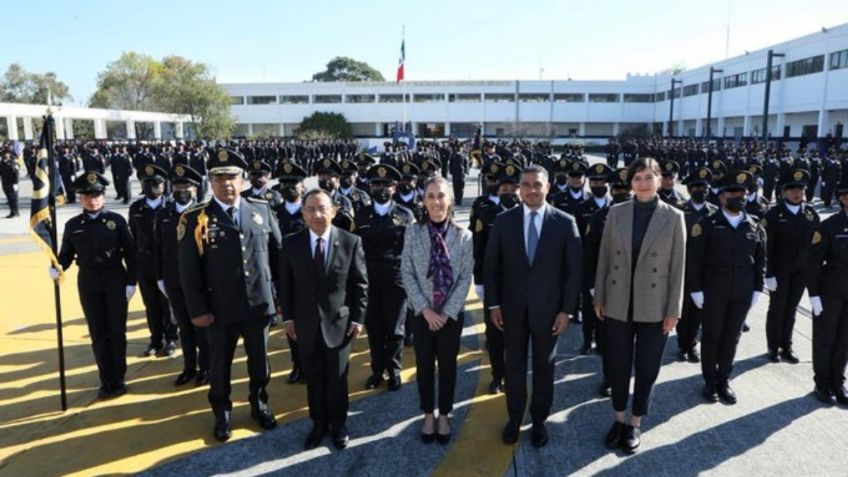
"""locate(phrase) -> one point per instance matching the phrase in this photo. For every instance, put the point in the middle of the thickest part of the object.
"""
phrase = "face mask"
(492, 189)
(508, 200)
(257, 183)
(327, 185)
(347, 182)
(182, 197)
(620, 197)
(150, 190)
(734, 204)
(599, 191)
(561, 180)
(290, 194)
(793, 202)
(381, 195)
(699, 196)
(575, 189)
(405, 189)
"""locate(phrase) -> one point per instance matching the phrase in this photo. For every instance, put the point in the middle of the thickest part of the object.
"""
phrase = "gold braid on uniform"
(200, 231)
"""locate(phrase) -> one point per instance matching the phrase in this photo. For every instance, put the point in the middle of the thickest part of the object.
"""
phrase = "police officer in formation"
(329, 172)
(9, 175)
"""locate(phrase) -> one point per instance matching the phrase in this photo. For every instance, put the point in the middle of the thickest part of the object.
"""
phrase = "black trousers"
(633, 346)
(830, 340)
(494, 346)
(827, 190)
(689, 324)
(104, 304)
(458, 189)
(385, 318)
(783, 302)
(156, 306)
(295, 353)
(192, 339)
(122, 187)
(11, 193)
(517, 339)
(592, 330)
(723, 316)
(68, 185)
(223, 338)
(326, 381)
(768, 189)
(441, 346)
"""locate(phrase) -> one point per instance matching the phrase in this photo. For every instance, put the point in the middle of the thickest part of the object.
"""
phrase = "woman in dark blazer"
(638, 293)
(437, 266)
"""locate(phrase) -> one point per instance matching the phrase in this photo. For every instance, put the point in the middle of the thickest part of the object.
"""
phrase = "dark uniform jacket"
(102, 247)
(788, 237)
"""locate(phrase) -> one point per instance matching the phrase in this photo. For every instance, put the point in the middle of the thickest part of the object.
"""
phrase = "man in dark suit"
(532, 282)
(229, 259)
(324, 292)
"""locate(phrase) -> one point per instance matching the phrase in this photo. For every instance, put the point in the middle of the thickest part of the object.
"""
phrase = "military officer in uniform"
(122, 170)
(458, 167)
(381, 227)
(260, 175)
(789, 229)
(725, 268)
(667, 192)
(163, 333)
(229, 260)
(195, 348)
(359, 199)
(9, 176)
(568, 200)
(328, 172)
(756, 204)
(697, 184)
(827, 283)
(407, 194)
(101, 243)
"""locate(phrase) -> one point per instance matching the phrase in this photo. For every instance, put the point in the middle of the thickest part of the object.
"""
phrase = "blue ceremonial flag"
(42, 223)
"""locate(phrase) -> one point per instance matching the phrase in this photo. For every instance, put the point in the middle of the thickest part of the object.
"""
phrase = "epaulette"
(256, 200)
(196, 206)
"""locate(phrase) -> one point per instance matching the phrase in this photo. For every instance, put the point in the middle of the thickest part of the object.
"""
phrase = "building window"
(360, 98)
(759, 76)
(705, 86)
(674, 93)
(464, 98)
(638, 98)
(735, 81)
(392, 98)
(234, 100)
(500, 97)
(261, 100)
(428, 97)
(328, 98)
(603, 98)
(298, 99)
(659, 97)
(839, 60)
(807, 66)
(569, 98)
(534, 97)
(690, 90)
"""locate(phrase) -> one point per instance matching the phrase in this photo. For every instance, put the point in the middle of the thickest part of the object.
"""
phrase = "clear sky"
(265, 40)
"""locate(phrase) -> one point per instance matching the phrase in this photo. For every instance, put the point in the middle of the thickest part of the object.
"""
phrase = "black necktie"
(232, 213)
(319, 256)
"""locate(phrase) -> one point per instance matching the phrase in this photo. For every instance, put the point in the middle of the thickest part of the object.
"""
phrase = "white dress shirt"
(540, 215)
(226, 207)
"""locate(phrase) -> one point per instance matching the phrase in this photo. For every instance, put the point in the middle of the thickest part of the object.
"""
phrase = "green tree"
(324, 126)
(21, 86)
(342, 68)
(128, 83)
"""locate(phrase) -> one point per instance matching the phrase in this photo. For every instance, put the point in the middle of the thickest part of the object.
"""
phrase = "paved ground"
(776, 429)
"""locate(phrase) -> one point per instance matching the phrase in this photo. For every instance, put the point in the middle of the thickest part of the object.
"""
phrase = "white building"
(809, 97)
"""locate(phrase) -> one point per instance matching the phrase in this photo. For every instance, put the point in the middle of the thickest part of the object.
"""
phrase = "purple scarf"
(440, 267)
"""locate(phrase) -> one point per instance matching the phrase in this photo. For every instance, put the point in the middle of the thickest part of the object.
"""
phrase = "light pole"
(710, 101)
(671, 107)
(771, 55)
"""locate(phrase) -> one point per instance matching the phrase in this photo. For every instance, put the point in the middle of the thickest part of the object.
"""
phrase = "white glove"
(130, 291)
(54, 274)
(771, 283)
(698, 299)
(816, 305)
(592, 292)
(161, 285)
(755, 298)
(479, 290)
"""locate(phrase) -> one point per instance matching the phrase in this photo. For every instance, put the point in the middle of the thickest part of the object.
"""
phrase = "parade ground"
(156, 429)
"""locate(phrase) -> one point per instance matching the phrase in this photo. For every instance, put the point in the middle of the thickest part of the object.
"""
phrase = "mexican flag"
(401, 61)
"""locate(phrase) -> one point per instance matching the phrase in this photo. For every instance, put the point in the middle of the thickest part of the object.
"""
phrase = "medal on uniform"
(696, 230)
(817, 238)
(181, 231)
(257, 219)
(110, 225)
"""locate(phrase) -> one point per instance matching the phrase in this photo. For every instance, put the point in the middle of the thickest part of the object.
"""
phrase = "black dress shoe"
(169, 350)
(539, 435)
(632, 439)
(789, 356)
(202, 378)
(693, 356)
(264, 418)
(710, 393)
(151, 350)
(428, 438)
(682, 355)
(117, 390)
(408, 341)
(606, 389)
(315, 436)
(222, 429)
(184, 377)
(615, 436)
(726, 394)
(374, 381)
(841, 395)
(510, 432)
(104, 392)
(496, 386)
(773, 356)
(340, 437)
(586, 349)
(295, 376)
(824, 395)
(395, 383)
(443, 438)
(745, 328)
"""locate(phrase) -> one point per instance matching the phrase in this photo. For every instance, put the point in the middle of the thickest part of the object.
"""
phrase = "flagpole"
(403, 80)
(51, 205)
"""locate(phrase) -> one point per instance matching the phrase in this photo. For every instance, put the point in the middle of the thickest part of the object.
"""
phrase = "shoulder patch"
(696, 230)
(479, 226)
(197, 206)
(256, 200)
(817, 238)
